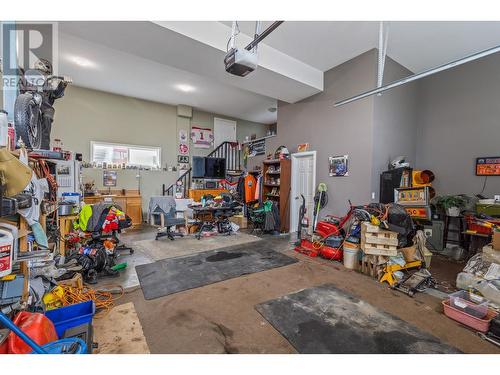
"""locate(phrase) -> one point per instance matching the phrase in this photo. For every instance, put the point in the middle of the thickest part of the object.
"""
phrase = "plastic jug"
(4, 129)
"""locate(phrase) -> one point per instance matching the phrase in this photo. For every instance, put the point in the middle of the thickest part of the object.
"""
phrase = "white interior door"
(224, 131)
(303, 182)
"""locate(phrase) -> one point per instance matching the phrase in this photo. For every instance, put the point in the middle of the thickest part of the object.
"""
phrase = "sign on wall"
(183, 136)
(182, 159)
(488, 166)
(257, 148)
(202, 137)
(183, 149)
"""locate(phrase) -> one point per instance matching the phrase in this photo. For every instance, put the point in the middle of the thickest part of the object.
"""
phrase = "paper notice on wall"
(202, 137)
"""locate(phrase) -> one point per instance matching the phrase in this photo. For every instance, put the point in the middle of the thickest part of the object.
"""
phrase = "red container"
(37, 326)
(331, 253)
(4, 348)
(481, 325)
(327, 229)
(477, 226)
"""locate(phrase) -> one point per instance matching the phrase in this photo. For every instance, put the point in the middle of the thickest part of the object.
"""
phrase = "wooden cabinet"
(131, 203)
(196, 194)
(276, 187)
(134, 209)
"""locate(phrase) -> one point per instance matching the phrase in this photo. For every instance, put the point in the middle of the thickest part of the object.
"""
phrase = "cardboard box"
(409, 253)
(496, 240)
(490, 255)
(240, 220)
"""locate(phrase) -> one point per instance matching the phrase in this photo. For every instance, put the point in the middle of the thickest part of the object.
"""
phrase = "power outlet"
(373, 195)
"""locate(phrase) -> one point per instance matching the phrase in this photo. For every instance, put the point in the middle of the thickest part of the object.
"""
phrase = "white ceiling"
(131, 75)
(146, 59)
(417, 45)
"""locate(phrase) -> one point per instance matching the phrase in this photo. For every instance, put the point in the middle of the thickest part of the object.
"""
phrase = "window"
(130, 155)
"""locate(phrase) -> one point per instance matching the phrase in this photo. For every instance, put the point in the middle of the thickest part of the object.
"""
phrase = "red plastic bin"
(481, 325)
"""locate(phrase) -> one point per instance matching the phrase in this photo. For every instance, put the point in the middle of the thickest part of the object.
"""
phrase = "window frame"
(128, 147)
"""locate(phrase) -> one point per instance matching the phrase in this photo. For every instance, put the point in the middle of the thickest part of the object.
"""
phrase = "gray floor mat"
(326, 319)
(168, 276)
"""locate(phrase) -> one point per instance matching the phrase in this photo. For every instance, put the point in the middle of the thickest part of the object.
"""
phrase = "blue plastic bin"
(71, 316)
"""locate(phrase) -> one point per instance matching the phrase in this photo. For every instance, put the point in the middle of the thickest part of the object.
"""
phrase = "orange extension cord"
(103, 300)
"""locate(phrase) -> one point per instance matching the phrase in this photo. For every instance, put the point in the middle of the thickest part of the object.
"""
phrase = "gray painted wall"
(459, 120)
(394, 123)
(335, 131)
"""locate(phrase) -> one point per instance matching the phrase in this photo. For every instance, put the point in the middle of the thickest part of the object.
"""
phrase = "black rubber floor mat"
(174, 275)
(326, 319)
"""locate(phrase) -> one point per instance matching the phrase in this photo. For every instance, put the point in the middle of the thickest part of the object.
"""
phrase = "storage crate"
(470, 303)
(71, 316)
(481, 325)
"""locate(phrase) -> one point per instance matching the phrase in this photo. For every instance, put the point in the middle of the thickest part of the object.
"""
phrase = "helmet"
(44, 66)
(399, 162)
(281, 152)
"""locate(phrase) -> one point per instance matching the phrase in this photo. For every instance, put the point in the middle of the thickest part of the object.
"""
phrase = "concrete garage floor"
(220, 318)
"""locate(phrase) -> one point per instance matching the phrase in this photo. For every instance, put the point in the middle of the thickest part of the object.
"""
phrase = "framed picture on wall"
(108, 178)
(338, 166)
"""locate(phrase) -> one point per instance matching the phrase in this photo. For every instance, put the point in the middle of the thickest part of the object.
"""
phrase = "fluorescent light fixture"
(423, 74)
(184, 87)
(81, 61)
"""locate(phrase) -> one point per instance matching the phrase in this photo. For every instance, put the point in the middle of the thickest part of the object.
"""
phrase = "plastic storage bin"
(469, 303)
(481, 325)
(71, 316)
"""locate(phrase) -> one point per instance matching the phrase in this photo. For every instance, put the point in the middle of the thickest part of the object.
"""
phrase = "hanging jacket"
(83, 217)
(250, 184)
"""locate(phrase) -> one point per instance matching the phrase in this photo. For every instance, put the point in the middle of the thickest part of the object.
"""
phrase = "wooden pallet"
(381, 238)
(378, 241)
(378, 249)
(372, 265)
(370, 228)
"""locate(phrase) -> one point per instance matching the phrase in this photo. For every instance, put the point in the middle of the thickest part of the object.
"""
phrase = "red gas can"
(35, 325)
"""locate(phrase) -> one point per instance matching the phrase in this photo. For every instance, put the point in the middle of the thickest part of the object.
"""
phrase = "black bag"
(399, 221)
(495, 326)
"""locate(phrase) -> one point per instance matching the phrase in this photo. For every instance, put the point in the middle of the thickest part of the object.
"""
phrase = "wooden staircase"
(227, 150)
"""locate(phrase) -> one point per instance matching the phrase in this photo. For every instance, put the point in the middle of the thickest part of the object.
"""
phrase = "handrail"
(227, 150)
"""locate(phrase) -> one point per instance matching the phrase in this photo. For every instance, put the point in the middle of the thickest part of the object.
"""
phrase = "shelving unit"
(273, 170)
(23, 231)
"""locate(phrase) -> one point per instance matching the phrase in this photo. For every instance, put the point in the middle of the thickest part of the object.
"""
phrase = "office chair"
(168, 215)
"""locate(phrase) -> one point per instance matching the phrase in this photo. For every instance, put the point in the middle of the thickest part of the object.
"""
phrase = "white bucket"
(351, 258)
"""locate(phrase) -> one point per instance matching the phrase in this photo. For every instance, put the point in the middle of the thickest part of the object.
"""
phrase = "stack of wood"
(378, 241)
